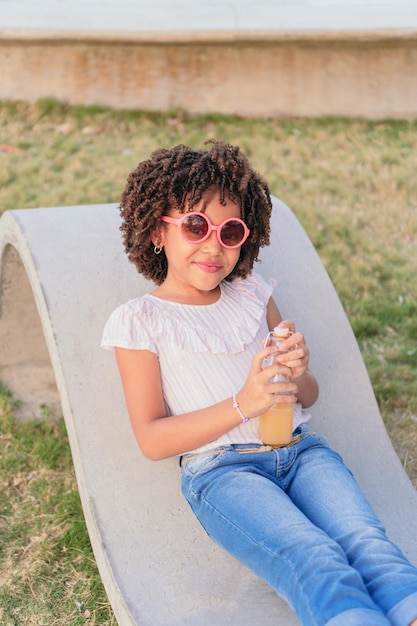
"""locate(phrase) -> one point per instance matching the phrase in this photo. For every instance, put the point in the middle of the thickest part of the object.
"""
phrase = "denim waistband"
(241, 448)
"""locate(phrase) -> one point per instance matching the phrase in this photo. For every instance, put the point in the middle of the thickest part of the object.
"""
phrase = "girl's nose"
(212, 242)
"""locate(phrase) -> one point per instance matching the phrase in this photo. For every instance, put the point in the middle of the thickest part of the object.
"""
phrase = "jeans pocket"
(201, 462)
(194, 474)
(322, 440)
(311, 439)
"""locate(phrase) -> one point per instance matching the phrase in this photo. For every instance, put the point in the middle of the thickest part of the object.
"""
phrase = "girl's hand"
(297, 358)
(258, 393)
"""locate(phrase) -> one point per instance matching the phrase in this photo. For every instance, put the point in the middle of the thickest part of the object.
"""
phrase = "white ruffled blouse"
(204, 351)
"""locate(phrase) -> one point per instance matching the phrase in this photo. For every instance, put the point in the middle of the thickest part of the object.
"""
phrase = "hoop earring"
(158, 249)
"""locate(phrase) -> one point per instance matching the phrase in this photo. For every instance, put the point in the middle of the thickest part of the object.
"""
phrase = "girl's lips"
(210, 268)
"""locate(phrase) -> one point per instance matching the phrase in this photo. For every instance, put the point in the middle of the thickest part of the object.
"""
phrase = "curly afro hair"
(178, 179)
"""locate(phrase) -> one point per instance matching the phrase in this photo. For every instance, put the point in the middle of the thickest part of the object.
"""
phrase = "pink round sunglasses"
(197, 227)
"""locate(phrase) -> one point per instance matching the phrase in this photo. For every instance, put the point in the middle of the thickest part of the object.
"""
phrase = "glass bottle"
(275, 425)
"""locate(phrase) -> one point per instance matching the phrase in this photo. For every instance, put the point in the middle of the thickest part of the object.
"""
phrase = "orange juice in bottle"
(275, 425)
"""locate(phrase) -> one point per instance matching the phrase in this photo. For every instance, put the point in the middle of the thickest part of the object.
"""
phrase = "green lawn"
(353, 186)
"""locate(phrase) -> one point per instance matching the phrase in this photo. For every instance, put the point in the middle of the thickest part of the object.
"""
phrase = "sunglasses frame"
(178, 221)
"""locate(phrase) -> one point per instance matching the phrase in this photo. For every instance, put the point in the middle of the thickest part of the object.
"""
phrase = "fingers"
(299, 355)
(296, 361)
(259, 393)
(258, 361)
(295, 356)
(294, 341)
(292, 358)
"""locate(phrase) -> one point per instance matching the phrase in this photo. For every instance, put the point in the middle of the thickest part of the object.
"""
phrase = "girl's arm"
(160, 436)
(297, 359)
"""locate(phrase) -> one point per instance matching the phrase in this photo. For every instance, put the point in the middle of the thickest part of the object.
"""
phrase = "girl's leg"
(324, 489)
(248, 514)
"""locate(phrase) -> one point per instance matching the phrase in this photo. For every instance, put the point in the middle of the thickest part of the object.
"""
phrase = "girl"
(191, 364)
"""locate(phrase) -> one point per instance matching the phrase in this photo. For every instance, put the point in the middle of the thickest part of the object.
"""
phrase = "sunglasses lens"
(194, 227)
(232, 233)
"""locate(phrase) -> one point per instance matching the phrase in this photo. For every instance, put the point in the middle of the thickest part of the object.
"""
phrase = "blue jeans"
(296, 517)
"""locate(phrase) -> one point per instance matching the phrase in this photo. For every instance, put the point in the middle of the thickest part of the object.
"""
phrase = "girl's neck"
(164, 292)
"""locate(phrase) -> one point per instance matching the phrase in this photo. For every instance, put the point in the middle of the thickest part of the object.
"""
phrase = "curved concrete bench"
(63, 271)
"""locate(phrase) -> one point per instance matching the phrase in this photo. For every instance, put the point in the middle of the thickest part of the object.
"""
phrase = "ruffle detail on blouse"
(226, 326)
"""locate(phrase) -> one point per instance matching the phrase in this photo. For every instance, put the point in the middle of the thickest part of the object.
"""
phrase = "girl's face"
(196, 269)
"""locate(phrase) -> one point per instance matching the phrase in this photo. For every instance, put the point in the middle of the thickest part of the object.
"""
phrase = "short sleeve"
(127, 328)
(261, 286)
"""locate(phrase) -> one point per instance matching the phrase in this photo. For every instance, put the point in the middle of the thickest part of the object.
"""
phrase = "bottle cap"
(280, 331)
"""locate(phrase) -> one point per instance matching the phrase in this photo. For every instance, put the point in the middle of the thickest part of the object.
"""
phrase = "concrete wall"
(371, 75)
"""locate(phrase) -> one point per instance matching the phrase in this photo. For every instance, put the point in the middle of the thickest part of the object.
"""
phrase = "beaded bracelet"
(236, 406)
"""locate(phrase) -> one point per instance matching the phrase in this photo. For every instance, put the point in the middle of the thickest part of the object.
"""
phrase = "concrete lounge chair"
(63, 270)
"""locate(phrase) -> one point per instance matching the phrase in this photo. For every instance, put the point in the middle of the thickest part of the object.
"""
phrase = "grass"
(48, 574)
(351, 183)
